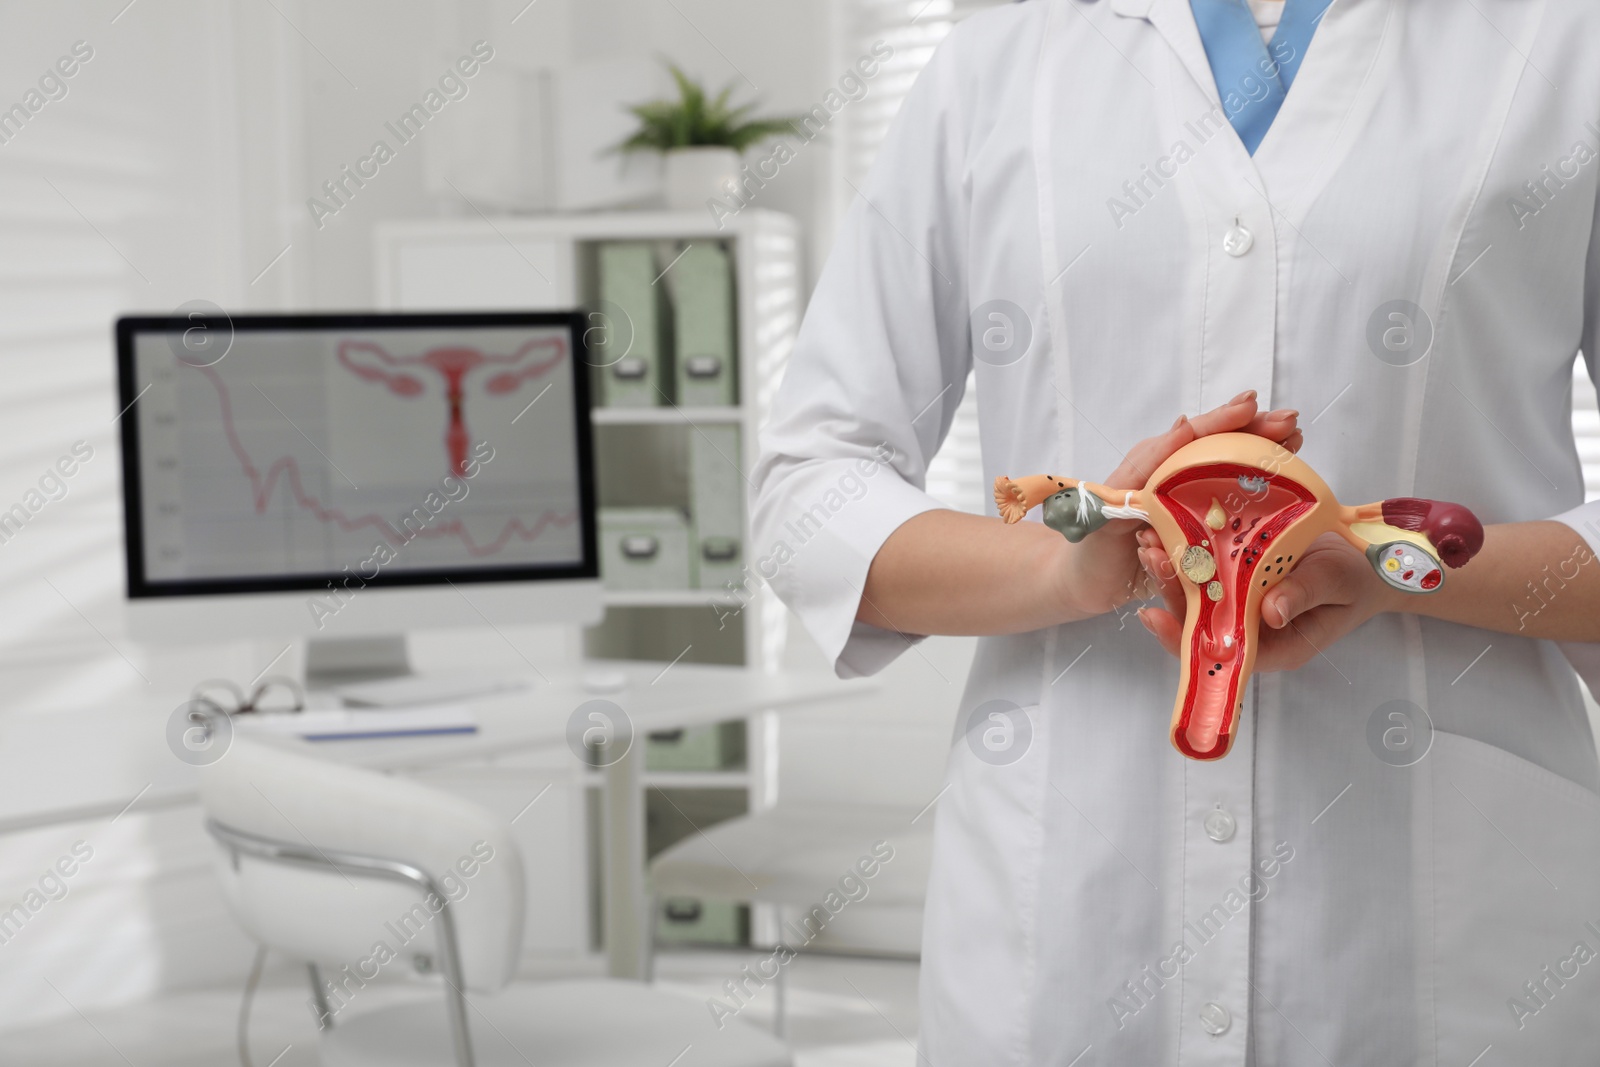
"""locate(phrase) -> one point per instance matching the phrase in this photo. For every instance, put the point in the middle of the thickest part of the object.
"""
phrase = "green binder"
(716, 489)
(704, 325)
(632, 364)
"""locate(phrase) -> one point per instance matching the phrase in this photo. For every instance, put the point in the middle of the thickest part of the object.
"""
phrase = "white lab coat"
(1085, 905)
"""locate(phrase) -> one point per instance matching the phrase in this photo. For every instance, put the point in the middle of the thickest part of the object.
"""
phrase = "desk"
(98, 764)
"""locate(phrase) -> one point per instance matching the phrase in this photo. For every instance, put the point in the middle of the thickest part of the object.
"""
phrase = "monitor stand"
(375, 672)
(332, 662)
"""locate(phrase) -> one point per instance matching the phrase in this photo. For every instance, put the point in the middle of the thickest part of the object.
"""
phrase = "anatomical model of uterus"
(1234, 511)
(371, 363)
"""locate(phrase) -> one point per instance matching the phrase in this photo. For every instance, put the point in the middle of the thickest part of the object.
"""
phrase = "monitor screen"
(287, 452)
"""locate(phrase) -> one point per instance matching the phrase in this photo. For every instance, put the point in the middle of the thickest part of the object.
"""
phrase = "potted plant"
(700, 138)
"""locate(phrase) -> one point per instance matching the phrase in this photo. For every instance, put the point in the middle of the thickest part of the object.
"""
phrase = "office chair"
(867, 770)
(356, 873)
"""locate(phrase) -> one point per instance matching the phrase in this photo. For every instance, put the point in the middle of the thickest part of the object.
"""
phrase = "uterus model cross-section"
(371, 363)
(1234, 512)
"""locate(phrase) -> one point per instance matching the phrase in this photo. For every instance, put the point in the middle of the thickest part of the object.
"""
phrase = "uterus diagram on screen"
(452, 365)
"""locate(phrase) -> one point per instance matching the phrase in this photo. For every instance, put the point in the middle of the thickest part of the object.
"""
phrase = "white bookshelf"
(667, 416)
(542, 263)
(548, 263)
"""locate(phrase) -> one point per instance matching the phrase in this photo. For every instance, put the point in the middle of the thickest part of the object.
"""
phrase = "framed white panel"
(488, 274)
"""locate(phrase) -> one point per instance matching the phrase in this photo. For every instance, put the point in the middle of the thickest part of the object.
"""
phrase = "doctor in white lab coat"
(1399, 861)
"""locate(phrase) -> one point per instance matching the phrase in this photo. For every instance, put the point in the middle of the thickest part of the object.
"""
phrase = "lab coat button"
(1215, 1019)
(1219, 825)
(1238, 240)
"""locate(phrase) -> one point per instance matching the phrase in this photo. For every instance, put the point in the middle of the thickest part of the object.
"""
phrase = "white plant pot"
(694, 175)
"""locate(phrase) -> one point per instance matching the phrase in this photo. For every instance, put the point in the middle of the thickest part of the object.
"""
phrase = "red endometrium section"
(1256, 509)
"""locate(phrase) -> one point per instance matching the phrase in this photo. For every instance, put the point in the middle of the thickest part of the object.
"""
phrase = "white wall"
(186, 150)
(393, 52)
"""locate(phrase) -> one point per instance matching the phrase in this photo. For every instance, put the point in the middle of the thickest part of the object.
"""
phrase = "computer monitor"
(351, 476)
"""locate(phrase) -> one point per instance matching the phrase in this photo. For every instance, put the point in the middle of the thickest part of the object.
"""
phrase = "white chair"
(793, 854)
(865, 771)
(355, 872)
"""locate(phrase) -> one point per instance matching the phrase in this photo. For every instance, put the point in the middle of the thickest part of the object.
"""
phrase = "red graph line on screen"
(454, 365)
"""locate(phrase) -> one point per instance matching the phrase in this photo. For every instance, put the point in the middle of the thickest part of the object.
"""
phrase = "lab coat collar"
(1341, 79)
(1132, 8)
(1175, 21)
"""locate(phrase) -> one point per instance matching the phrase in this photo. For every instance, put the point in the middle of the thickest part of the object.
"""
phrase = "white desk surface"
(66, 767)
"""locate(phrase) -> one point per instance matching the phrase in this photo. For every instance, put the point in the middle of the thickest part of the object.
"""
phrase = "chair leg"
(460, 1034)
(319, 999)
(455, 988)
(780, 988)
(648, 940)
(780, 1006)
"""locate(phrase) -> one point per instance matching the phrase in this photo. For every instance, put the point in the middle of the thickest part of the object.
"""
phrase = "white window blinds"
(913, 28)
(1586, 428)
(119, 195)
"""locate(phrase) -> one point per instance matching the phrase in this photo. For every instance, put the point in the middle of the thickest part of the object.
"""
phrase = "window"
(913, 28)
(1586, 428)
(121, 196)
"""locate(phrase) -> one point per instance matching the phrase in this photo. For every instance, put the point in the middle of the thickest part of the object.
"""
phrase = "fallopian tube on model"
(1234, 511)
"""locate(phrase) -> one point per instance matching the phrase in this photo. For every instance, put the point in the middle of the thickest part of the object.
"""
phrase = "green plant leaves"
(696, 119)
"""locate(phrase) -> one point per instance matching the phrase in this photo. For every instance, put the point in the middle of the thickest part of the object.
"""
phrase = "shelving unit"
(641, 453)
(548, 263)
(667, 416)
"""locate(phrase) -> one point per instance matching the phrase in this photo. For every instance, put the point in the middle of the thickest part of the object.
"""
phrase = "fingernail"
(1283, 413)
(1248, 394)
(1180, 421)
(1144, 620)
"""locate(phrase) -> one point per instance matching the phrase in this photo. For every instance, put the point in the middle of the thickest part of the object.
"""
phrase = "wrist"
(1386, 598)
(1066, 592)
(1085, 582)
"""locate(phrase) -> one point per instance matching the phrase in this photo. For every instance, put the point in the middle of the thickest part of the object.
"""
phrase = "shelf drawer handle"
(681, 911)
(631, 368)
(703, 366)
(719, 549)
(640, 546)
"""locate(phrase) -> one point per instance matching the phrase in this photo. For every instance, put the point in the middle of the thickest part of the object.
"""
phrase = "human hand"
(1104, 570)
(1331, 591)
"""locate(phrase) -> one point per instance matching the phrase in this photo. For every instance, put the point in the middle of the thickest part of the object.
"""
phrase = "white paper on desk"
(337, 724)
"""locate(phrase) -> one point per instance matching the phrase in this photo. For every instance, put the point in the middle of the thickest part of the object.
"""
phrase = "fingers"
(1236, 414)
(1277, 425)
(1147, 455)
(1312, 632)
(1324, 576)
(1161, 575)
(1165, 623)
(1165, 627)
